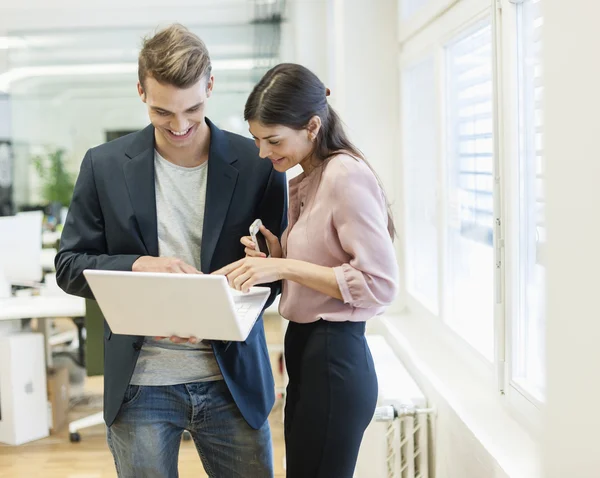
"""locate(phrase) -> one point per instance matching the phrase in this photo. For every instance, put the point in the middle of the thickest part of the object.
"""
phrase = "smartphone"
(260, 242)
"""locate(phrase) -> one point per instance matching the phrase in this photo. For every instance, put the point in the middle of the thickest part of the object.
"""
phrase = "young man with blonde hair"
(176, 197)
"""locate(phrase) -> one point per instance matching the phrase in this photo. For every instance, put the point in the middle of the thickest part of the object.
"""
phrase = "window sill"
(466, 388)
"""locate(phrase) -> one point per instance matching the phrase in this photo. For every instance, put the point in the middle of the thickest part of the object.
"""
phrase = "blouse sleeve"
(370, 278)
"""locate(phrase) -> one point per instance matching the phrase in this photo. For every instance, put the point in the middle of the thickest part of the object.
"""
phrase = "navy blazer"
(112, 221)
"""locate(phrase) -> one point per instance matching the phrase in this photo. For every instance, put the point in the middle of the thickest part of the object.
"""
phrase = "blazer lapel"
(139, 176)
(222, 178)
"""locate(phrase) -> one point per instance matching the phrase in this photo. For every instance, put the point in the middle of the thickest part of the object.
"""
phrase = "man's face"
(176, 113)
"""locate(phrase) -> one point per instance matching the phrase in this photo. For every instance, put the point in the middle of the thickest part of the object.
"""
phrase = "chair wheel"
(186, 436)
(74, 437)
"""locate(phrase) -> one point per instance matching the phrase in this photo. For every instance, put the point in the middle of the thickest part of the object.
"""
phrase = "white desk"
(50, 238)
(48, 307)
(42, 307)
(39, 307)
(47, 259)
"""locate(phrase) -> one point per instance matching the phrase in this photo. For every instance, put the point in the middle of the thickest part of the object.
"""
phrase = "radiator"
(396, 443)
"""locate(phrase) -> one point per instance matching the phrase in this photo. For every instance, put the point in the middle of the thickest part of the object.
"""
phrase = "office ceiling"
(102, 59)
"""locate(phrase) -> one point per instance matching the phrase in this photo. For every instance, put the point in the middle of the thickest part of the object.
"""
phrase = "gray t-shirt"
(180, 199)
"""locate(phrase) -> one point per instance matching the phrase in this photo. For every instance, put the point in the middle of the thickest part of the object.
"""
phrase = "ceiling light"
(22, 73)
(12, 42)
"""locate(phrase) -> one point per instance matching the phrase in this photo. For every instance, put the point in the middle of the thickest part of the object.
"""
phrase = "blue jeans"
(145, 437)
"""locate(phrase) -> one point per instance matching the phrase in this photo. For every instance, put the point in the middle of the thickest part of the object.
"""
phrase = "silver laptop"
(163, 304)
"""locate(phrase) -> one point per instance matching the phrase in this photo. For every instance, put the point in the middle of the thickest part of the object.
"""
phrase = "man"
(176, 197)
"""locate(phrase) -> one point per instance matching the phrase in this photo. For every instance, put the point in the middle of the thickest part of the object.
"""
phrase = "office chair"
(91, 356)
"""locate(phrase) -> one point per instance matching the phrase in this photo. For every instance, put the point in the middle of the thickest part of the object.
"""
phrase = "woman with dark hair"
(338, 267)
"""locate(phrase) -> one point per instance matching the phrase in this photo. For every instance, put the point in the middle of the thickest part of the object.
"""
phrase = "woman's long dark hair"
(290, 95)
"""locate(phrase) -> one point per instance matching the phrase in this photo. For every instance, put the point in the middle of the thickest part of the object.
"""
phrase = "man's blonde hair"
(174, 56)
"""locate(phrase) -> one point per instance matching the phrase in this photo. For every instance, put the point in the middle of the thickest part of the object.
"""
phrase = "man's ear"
(141, 92)
(209, 86)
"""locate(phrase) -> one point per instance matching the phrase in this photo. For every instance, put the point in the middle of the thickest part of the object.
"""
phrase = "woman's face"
(284, 147)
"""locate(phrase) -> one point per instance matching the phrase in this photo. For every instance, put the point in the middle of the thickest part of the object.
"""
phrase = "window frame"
(523, 404)
(460, 33)
(422, 18)
(432, 308)
(430, 39)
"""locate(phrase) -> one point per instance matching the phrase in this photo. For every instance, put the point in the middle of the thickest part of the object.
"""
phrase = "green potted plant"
(57, 182)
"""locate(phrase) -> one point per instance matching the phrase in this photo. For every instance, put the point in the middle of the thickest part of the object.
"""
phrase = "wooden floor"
(56, 457)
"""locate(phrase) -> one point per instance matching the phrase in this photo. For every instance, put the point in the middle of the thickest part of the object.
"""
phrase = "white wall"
(306, 36)
(4, 116)
(4, 101)
(572, 103)
(351, 45)
(364, 79)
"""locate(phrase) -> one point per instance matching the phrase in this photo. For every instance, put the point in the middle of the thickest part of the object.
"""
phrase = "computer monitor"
(21, 247)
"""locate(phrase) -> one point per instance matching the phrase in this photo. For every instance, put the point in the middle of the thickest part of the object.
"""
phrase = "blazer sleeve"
(83, 243)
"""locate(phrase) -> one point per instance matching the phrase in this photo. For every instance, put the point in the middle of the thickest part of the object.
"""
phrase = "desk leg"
(45, 327)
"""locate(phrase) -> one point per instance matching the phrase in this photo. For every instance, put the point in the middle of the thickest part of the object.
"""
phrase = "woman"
(338, 267)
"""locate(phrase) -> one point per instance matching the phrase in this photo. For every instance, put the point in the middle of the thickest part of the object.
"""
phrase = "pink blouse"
(338, 218)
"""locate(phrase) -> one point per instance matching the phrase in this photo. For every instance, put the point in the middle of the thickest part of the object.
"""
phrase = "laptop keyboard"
(243, 310)
(247, 308)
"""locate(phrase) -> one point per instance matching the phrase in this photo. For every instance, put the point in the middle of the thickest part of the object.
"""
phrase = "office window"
(529, 321)
(469, 255)
(420, 153)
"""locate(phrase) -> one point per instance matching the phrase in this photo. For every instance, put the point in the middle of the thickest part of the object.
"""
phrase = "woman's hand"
(251, 271)
(272, 241)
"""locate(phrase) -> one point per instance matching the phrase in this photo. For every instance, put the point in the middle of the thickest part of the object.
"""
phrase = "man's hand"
(171, 265)
(179, 340)
(163, 264)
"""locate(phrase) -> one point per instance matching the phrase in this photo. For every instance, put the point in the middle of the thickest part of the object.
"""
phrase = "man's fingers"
(176, 268)
(189, 269)
(180, 340)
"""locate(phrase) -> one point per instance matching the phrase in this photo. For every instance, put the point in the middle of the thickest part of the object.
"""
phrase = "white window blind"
(533, 82)
(470, 102)
(469, 259)
(528, 370)
(420, 152)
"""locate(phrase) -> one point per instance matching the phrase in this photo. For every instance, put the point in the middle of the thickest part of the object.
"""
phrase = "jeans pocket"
(132, 393)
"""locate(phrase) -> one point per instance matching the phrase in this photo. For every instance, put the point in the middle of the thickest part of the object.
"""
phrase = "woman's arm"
(252, 271)
(319, 278)
(370, 277)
